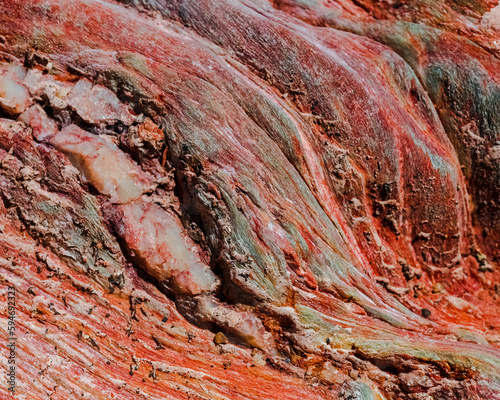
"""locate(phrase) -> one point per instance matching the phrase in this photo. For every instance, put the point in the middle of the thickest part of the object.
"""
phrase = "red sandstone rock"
(318, 180)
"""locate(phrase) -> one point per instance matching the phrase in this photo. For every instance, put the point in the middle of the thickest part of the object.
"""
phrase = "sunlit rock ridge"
(251, 199)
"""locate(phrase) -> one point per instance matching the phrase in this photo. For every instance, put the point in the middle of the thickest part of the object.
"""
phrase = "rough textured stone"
(315, 181)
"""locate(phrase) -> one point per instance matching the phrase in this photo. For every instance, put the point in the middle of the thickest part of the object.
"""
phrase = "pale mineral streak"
(156, 237)
(231, 199)
(111, 171)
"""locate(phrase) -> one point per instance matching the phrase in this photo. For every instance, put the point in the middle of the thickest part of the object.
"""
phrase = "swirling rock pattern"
(234, 199)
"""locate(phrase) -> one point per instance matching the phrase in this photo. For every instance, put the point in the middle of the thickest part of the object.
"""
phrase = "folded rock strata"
(232, 199)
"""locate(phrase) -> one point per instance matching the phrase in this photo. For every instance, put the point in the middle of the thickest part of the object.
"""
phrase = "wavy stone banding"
(317, 180)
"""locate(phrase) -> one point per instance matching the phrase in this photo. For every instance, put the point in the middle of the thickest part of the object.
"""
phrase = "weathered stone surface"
(97, 104)
(14, 97)
(103, 164)
(316, 182)
(156, 237)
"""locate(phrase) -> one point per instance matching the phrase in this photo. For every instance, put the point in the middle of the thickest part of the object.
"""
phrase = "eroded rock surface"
(240, 199)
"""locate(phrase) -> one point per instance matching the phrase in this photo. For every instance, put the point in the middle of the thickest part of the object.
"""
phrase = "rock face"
(232, 199)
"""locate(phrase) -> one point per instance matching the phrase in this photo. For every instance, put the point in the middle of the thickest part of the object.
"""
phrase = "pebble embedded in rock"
(437, 288)
(43, 86)
(220, 338)
(426, 313)
(14, 70)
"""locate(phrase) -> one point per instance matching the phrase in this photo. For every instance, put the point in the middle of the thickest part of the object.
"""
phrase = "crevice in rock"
(67, 116)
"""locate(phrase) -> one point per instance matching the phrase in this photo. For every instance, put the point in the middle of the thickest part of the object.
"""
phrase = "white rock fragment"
(242, 324)
(13, 69)
(14, 97)
(97, 104)
(43, 127)
(41, 85)
(103, 164)
(10, 128)
(491, 19)
(157, 238)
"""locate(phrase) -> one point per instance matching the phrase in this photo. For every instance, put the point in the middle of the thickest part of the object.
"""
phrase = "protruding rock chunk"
(156, 237)
(220, 338)
(14, 97)
(98, 105)
(103, 164)
(13, 69)
(43, 86)
(43, 127)
(242, 324)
